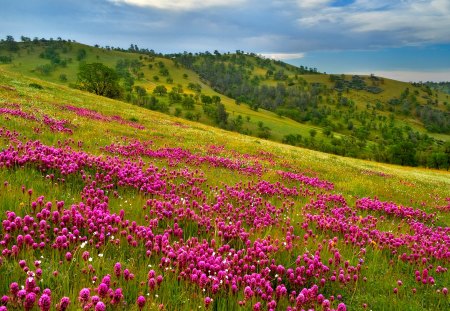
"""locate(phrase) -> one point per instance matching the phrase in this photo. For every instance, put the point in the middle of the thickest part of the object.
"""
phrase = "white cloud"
(313, 4)
(411, 21)
(283, 56)
(410, 76)
(184, 5)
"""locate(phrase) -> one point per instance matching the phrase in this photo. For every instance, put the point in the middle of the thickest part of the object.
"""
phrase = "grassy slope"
(419, 188)
(25, 62)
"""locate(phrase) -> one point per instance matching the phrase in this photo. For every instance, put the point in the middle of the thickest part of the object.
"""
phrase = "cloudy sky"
(405, 39)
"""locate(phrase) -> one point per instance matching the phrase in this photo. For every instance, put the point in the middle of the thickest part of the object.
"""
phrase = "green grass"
(419, 188)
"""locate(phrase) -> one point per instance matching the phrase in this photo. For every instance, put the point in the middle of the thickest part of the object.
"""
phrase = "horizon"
(403, 40)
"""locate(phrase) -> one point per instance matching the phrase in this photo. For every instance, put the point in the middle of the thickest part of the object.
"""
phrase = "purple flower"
(68, 256)
(21, 294)
(95, 299)
(341, 307)
(29, 301)
(44, 302)
(140, 301)
(84, 295)
(208, 301)
(4, 300)
(64, 304)
(117, 296)
(103, 290)
(117, 269)
(100, 306)
(14, 288)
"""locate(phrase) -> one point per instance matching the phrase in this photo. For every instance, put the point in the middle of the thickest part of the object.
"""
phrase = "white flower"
(100, 255)
(90, 259)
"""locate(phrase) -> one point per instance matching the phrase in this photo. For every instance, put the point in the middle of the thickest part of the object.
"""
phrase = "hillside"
(363, 117)
(146, 210)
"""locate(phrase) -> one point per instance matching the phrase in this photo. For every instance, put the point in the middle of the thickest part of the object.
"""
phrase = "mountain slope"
(177, 215)
(364, 117)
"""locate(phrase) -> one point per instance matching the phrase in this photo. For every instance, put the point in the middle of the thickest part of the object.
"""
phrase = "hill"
(364, 117)
(144, 210)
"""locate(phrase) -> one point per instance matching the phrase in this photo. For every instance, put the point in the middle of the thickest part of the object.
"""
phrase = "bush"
(35, 86)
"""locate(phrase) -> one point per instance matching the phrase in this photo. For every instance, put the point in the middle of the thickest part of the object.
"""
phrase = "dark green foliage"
(188, 103)
(5, 59)
(45, 69)
(403, 153)
(140, 91)
(164, 72)
(51, 54)
(160, 90)
(356, 83)
(99, 79)
(291, 139)
(434, 120)
(11, 45)
(81, 54)
(63, 77)
(35, 86)
(177, 112)
(195, 87)
(263, 130)
(439, 86)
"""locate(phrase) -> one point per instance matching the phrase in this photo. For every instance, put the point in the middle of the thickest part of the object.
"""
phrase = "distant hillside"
(443, 87)
(358, 116)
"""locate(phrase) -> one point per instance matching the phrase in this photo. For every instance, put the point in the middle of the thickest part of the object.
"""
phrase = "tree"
(11, 44)
(81, 54)
(188, 103)
(99, 79)
(160, 90)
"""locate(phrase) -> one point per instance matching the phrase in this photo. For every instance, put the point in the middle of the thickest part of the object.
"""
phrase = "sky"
(404, 39)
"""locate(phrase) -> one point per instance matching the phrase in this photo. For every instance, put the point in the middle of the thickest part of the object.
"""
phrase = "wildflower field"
(107, 206)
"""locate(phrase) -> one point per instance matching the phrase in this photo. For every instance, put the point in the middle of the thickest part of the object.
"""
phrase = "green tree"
(81, 54)
(188, 103)
(160, 90)
(99, 79)
(11, 44)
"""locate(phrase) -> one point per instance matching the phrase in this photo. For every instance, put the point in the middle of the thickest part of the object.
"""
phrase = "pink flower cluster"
(177, 155)
(215, 238)
(95, 115)
(57, 125)
(311, 181)
(54, 124)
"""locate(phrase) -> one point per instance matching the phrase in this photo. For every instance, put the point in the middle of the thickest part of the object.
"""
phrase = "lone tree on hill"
(99, 79)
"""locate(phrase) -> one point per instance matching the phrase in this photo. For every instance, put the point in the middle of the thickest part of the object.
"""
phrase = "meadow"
(109, 206)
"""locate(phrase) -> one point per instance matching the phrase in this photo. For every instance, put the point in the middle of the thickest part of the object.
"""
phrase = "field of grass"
(139, 210)
(27, 60)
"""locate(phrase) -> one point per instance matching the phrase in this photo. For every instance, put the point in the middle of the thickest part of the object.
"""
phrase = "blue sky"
(404, 39)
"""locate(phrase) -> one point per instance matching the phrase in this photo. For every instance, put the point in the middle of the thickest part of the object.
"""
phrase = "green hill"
(365, 117)
(108, 204)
